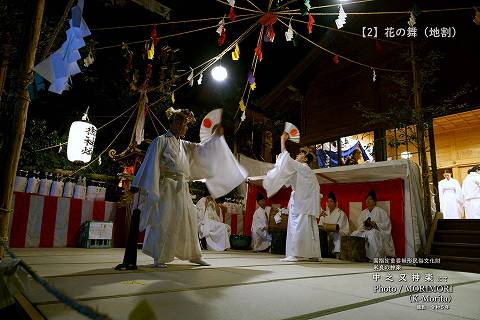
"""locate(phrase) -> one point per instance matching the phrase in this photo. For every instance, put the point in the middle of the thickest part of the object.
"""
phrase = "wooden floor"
(238, 285)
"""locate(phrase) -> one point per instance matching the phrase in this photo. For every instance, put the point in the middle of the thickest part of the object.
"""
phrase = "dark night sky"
(279, 57)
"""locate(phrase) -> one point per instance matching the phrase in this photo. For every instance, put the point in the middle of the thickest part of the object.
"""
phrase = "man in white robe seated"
(374, 225)
(451, 198)
(210, 225)
(335, 215)
(261, 239)
(471, 193)
(168, 214)
(303, 241)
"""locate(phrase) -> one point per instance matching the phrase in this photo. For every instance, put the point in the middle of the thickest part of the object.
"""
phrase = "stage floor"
(239, 285)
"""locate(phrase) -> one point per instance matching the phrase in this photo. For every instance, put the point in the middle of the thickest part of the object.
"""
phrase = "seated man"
(261, 239)
(210, 225)
(334, 215)
(374, 225)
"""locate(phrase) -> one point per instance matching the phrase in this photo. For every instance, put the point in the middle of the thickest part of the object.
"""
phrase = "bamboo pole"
(422, 154)
(22, 100)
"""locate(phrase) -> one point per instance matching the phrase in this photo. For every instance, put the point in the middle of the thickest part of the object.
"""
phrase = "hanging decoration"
(250, 77)
(477, 17)
(81, 140)
(242, 105)
(236, 52)
(200, 78)
(412, 21)
(190, 78)
(311, 21)
(289, 32)
(150, 47)
(62, 64)
(374, 75)
(342, 17)
(154, 35)
(99, 161)
(231, 14)
(88, 59)
(221, 32)
(231, 3)
(258, 51)
(336, 59)
(173, 97)
(253, 86)
(268, 20)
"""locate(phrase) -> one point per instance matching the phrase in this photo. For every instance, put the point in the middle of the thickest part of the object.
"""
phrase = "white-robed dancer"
(335, 215)
(303, 241)
(168, 214)
(210, 225)
(451, 197)
(261, 239)
(374, 225)
(471, 193)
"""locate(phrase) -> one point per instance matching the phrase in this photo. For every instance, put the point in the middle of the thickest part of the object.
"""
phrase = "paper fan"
(293, 132)
(209, 123)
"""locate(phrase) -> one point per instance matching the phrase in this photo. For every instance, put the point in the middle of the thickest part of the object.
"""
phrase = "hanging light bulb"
(219, 73)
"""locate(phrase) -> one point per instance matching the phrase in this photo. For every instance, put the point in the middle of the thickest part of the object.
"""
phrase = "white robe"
(336, 217)
(261, 239)
(379, 242)
(471, 195)
(211, 227)
(304, 205)
(168, 214)
(451, 199)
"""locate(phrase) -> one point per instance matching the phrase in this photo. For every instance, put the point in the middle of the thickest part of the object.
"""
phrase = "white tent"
(415, 234)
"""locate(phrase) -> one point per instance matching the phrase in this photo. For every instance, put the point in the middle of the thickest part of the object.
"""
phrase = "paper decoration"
(307, 4)
(150, 50)
(60, 149)
(62, 64)
(289, 32)
(293, 132)
(232, 15)
(242, 105)
(236, 52)
(231, 3)
(251, 77)
(374, 75)
(253, 86)
(269, 34)
(99, 161)
(173, 97)
(477, 18)
(311, 21)
(190, 78)
(268, 20)
(209, 123)
(336, 59)
(200, 78)
(342, 17)
(243, 117)
(412, 21)
(258, 51)
(154, 35)
(221, 39)
(81, 140)
(88, 59)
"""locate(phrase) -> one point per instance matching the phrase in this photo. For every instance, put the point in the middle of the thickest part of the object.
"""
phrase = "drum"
(353, 249)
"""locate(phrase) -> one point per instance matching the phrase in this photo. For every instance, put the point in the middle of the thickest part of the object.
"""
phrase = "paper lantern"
(81, 140)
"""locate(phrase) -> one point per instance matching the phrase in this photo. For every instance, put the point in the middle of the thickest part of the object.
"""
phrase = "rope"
(294, 12)
(70, 302)
(165, 23)
(178, 33)
(347, 32)
(328, 6)
(153, 123)
(341, 56)
(254, 5)
(241, 8)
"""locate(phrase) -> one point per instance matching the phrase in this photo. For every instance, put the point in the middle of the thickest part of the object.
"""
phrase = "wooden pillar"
(8, 168)
(433, 161)
(422, 154)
